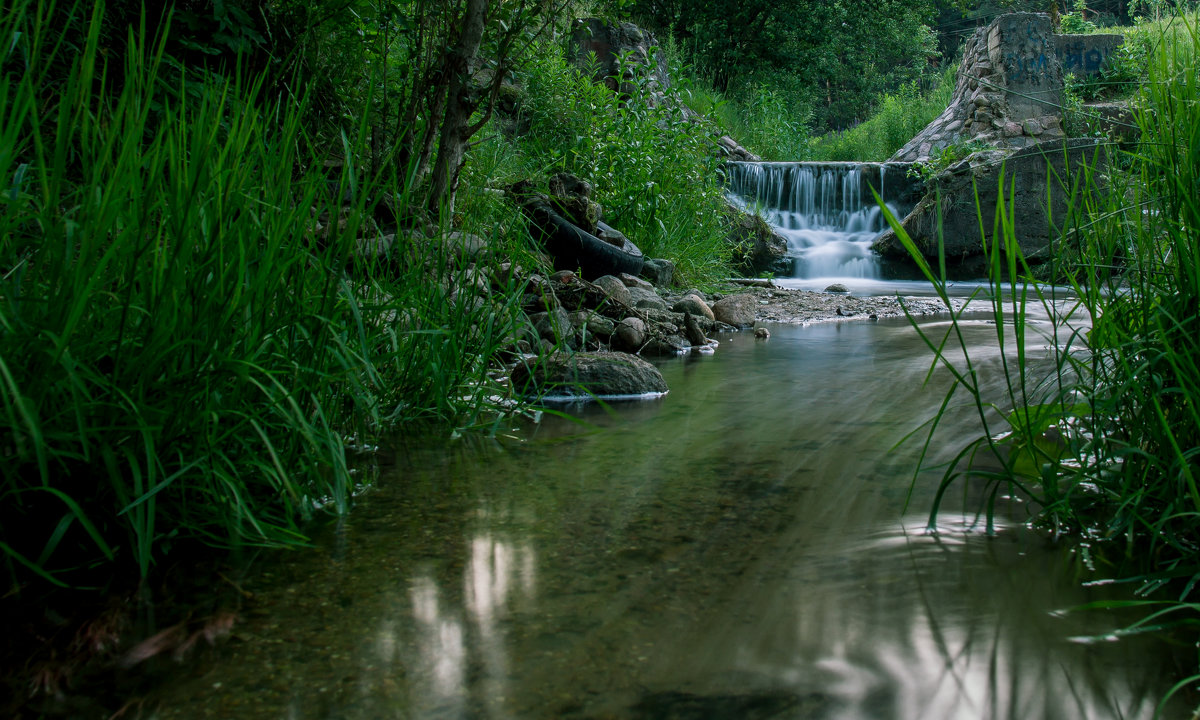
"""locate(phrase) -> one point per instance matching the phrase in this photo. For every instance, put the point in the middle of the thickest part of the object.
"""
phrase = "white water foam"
(821, 212)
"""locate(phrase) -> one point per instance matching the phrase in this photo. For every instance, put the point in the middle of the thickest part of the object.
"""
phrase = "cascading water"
(821, 209)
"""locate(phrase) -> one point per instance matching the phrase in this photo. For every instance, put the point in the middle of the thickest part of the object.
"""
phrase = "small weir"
(826, 211)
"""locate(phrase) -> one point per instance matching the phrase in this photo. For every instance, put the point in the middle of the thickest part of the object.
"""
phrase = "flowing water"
(826, 211)
(738, 549)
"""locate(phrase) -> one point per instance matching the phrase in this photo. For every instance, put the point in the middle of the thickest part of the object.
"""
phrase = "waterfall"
(823, 210)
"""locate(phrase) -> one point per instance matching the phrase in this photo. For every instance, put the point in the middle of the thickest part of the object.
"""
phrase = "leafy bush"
(654, 169)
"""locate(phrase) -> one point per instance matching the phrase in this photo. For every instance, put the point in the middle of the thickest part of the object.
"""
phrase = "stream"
(751, 546)
(740, 548)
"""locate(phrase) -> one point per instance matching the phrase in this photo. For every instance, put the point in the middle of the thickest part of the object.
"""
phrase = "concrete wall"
(1085, 55)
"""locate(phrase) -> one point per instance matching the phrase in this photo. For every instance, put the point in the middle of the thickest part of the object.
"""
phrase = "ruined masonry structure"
(1008, 93)
(1085, 55)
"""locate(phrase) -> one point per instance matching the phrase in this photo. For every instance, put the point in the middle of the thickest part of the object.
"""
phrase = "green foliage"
(1076, 22)
(183, 356)
(1158, 10)
(839, 55)
(654, 170)
(769, 115)
(941, 159)
(896, 119)
(1104, 435)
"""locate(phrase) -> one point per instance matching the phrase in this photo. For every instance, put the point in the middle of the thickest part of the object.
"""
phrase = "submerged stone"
(593, 374)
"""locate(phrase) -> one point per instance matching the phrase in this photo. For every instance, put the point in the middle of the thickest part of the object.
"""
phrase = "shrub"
(655, 170)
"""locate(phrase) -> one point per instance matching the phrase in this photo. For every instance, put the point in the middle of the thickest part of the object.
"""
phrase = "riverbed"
(752, 545)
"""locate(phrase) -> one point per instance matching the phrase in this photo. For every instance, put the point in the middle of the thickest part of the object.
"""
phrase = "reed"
(182, 358)
(1103, 436)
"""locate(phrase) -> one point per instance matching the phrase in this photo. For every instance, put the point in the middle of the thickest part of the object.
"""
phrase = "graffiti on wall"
(1028, 63)
(1081, 57)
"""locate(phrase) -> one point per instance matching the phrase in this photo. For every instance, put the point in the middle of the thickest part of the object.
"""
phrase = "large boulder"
(694, 304)
(599, 45)
(736, 310)
(978, 178)
(586, 375)
(758, 247)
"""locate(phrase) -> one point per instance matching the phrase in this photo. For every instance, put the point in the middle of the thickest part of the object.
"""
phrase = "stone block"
(1085, 55)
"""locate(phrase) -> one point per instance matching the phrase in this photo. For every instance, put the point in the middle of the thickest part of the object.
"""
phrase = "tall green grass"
(766, 116)
(1103, 434)
(896, 119)
(182, 357)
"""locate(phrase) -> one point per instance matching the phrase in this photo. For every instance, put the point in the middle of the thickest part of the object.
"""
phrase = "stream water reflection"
(738, 549)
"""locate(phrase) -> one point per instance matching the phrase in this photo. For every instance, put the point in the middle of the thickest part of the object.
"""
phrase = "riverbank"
(805, 307)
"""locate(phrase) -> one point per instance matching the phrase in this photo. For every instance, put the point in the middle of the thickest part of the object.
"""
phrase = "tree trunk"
(460, 103)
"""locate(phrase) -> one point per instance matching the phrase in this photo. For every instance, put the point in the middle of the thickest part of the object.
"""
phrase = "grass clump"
(193, 323)
(1104, 434)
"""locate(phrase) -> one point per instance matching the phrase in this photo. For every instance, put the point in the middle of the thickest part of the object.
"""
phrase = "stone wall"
(1008, 93)
(1085, 55)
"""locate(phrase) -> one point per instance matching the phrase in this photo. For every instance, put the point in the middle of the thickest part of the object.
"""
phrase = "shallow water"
(737, 549)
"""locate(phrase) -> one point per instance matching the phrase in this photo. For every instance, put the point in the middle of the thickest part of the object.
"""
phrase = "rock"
(629, 334)
(643, 298)
(663, 322)
(693, 304)
(692, 331)
(632, 281)
(553, 326)
(1112, 119)
(591, 323)
(758, 247)
(369, 251)
(762, 333)
(614, 289)
(609, 42)
(736, 310)
(667, 345)
(837, 288)
(581, 212)
(660, 272)
(568, 185)
(465, 246)
(593, 374)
